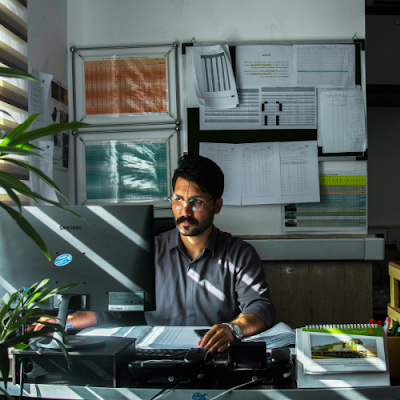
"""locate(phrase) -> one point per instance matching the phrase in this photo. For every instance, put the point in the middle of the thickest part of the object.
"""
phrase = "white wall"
(48, 52)
(94, 23)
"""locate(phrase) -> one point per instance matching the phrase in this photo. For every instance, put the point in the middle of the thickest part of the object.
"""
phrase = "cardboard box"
(394, 355)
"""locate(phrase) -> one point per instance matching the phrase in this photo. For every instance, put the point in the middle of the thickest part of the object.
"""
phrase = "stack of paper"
(279, 335)
(152, 337)
(185, 337)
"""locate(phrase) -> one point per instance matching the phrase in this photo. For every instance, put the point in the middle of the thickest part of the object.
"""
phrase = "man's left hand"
(217, 338)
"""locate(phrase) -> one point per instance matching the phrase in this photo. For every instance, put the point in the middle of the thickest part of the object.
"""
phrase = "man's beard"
(196, 228)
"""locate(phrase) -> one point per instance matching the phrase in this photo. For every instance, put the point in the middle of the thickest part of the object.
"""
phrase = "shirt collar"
(176, 239)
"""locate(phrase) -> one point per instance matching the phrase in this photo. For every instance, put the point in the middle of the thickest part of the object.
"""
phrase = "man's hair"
(202, 171)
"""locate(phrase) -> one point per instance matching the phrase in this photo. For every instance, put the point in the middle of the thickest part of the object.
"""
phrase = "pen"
(386, 324)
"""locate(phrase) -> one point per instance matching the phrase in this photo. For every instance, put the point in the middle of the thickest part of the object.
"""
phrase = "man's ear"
(218, 205)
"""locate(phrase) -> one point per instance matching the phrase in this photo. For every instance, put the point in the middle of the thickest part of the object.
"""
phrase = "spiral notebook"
(341, 356)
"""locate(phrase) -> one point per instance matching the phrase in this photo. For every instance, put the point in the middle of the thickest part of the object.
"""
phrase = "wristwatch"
(235, 329)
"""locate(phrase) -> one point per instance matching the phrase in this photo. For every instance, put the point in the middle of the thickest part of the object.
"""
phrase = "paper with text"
(267, 172)
(341, 122)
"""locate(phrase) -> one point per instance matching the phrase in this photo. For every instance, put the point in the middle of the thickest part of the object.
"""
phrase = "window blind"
(13, 92)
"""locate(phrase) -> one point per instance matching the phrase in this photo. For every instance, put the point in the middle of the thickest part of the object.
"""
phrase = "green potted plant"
(23, 306)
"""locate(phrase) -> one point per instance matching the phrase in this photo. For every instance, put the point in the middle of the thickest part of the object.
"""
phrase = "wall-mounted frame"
(119, 167)
(125, 85)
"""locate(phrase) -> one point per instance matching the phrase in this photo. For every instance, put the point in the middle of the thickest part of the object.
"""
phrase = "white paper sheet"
(152, 337)
(341, 123)
(46, 166)
(261, 182)
(265, 108)
(272, 172)
(182, 337)
(265, 65)
(38, 98)
(279, 335)
(299, 171)
(213, 76)
(325, 65)
(229, 159)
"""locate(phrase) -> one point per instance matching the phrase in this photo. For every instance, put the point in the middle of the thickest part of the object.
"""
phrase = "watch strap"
(235, 330)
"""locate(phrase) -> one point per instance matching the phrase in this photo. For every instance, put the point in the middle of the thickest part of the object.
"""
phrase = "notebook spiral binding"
(341, 326)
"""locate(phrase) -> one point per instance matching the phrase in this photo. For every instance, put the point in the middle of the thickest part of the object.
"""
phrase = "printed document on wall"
(266, 172)
(325, 65)
(266, 65)
(261, 180)
(299, 171)
(341, 122)
(213, 76)
(229, 158)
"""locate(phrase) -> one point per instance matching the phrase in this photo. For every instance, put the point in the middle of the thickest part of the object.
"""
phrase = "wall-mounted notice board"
(203, 124)
(265, 113)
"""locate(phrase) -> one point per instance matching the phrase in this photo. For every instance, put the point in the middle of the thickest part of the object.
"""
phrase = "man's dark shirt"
(225, 280)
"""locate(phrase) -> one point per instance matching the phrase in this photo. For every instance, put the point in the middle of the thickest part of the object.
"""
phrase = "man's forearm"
(250, 324)
(81, 319)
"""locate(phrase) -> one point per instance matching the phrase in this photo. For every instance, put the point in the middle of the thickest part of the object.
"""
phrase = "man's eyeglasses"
(194, 204)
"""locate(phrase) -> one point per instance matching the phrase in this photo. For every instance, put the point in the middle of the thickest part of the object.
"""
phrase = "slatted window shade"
(13, 92)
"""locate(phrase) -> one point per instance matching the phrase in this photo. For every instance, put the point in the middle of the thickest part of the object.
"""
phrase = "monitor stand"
(72, 342)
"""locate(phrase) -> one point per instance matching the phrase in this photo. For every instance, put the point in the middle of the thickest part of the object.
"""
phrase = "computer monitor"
(109, 253)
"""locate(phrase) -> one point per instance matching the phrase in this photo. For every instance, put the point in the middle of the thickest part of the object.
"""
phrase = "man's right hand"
(76, 321)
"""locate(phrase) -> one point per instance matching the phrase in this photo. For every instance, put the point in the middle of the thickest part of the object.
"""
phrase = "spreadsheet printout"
(229, 159)
(125, 86)
(261, 180)
(341, 122)
(272, 172)
(325, 65)
(299, 171)
(342, 207)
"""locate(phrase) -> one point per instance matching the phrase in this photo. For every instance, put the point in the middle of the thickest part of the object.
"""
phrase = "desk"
(98, 393)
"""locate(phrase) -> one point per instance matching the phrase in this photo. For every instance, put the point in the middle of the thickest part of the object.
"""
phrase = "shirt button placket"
(190, 295)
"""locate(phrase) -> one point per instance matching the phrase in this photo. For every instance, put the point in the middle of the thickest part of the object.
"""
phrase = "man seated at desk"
(203, 276)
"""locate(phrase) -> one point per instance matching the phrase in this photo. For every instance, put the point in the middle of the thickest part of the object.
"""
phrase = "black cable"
(166, 389)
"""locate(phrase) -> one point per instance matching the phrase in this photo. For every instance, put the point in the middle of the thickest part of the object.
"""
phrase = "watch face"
(237, 331)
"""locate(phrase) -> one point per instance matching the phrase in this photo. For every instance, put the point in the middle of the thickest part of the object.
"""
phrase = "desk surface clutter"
(263, 362)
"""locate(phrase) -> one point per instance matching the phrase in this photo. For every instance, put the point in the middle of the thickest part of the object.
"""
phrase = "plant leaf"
(46, 131)
(16, 73)
(37, 172)
(37, 196)
(5, 393)
(14, 341)
(8, 115)
(5, 150)
(13, 180)
(18, 130)
(27, 229)
(9, 189)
